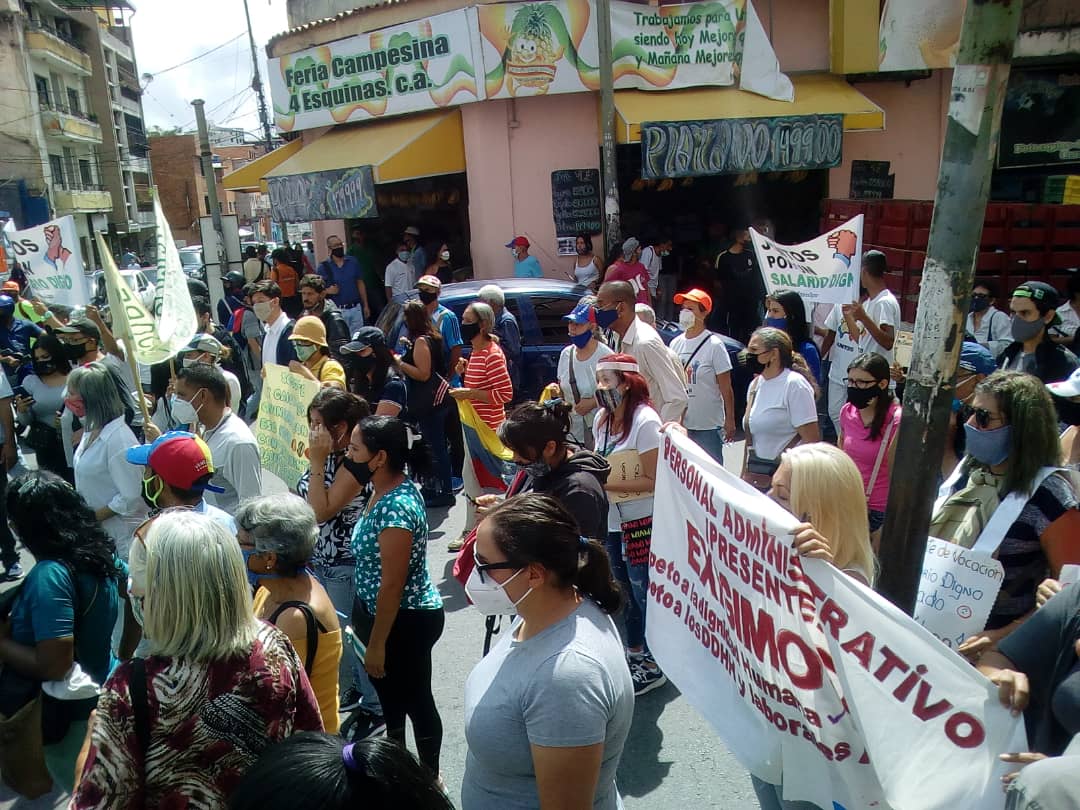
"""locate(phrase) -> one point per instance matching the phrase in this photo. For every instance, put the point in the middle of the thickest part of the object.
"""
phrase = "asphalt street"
(672, 759)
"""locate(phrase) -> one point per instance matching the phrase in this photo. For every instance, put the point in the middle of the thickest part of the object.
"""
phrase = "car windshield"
(190, 258)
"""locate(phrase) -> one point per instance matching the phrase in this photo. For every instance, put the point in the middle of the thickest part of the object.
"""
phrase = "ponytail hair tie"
(348, 757)
(551, 403)
(583, 543)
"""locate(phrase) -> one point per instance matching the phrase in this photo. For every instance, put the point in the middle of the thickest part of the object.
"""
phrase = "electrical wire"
(155, 73)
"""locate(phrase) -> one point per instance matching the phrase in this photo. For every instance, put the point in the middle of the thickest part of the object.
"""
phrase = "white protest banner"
(282, 428)
(153, 339)
(824, 270)
(957, 591)
(52, 259)
(811, 679)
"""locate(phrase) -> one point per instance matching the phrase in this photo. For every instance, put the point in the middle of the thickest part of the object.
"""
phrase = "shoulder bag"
(314, 627)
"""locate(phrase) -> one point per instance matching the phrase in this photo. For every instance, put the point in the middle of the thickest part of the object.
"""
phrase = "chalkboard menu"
(575, 201)
(870, 180)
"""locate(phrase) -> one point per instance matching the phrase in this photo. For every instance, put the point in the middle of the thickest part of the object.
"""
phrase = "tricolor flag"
(488, 455)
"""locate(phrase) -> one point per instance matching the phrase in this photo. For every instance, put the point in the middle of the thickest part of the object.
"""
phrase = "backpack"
(234, 364)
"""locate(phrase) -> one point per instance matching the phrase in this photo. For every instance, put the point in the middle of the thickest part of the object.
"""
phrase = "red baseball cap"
(180, 459)
(699, 297)
(518, 241)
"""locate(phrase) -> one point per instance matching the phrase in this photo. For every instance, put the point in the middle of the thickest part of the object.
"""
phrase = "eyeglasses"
(481, 567)
(856, 383)
(979, 295)
(983, 417)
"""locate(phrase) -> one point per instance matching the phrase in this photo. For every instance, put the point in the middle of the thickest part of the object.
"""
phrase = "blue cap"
(583, 313)
(976, 358)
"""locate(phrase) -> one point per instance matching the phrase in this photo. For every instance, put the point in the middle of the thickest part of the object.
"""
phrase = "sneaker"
(646, 679)
(14, 571)
(362, 725)
(456, 544)
(350, 699)
(457, 484)
(637, 659)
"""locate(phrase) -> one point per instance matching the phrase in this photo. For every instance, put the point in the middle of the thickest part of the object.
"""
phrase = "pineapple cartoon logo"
(532, 52)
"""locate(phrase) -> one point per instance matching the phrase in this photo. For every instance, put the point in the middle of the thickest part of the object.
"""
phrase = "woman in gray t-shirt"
(548, 710)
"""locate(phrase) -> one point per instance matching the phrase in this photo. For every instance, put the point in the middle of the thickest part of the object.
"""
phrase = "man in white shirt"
(266, 302)
(652, 258)
(710, 415)
(205, 348)
(200, 397)
(615, 310)
(399, 273)
(985, 322)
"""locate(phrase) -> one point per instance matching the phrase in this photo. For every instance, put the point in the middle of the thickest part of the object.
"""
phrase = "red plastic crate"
(1063, 259)
(1028, 238)
(1066, 216)
(1065, 236)
(922, 214)
(990, 262)
(896, 213)
(897, 236)
(1035, 261)
(920, 238)
(915, 261)
(993, 236)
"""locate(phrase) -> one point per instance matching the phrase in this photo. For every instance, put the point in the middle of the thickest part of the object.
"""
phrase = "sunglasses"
(482, 567)
(983, 417)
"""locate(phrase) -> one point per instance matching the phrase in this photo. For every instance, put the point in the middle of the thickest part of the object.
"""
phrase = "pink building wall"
(511, 149)
(912, 140)
(799, 32)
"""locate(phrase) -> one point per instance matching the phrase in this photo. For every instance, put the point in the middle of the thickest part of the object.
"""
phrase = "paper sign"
(625, 466)
(51, 257)
(809, 677)
(905, 342)
(957, 591)
(824, 270)
(282, 428)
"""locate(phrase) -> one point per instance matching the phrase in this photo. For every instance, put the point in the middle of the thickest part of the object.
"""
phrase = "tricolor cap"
(179, 458)
(518, 241)
(429, 281)
(1069, 387)
(695, 296)
(582, 313)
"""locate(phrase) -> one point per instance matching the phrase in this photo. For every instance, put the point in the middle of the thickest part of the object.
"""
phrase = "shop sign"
(420, 65)
(870, 180)
(1040, 122)
(335, 194)
(740, 145)
(575, 201)
(546, 48)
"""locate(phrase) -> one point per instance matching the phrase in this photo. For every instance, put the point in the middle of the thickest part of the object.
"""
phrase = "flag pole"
(133, 364)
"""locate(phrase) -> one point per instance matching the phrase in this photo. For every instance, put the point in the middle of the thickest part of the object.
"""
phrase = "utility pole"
(213, 277)
(608, 169)
(971, 137)
(256, 83)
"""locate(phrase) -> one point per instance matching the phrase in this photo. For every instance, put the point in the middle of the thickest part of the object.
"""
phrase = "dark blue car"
(540, 306)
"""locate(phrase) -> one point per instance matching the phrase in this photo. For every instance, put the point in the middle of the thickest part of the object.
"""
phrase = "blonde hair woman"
(218, 686)
(820, 484)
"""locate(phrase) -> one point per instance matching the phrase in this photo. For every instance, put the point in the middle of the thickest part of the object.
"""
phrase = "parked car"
(135, 279)
(539, 306)
(191, 259)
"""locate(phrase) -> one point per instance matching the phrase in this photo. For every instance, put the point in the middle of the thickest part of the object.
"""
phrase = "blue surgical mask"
(989, 447)
(777, 323)
(253, 577)
(582, 340)
(606, 317)
(403, 255)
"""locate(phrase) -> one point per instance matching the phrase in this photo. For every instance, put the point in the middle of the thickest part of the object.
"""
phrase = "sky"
(165, 38)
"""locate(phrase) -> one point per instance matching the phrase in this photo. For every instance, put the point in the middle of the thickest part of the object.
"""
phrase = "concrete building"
(181, 185)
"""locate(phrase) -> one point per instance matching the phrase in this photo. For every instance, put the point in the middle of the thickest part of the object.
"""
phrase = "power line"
(155, 73)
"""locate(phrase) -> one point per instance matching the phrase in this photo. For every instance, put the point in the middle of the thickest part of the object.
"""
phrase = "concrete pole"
(256, 83)
(608, 170)
(213, 279)
(967, 161)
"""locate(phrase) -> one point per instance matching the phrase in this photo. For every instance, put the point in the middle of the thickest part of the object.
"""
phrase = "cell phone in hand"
(19, 391)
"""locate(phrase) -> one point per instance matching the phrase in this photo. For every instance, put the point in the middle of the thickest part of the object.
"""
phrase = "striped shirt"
(487, 371)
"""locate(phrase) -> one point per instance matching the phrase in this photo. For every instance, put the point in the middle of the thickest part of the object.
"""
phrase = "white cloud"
(164, 37)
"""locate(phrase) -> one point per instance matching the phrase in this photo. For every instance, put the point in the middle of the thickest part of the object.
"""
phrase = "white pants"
(837, 398)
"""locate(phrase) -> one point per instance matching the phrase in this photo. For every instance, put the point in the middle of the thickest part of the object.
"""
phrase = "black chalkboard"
(575, 201)
(870, 180)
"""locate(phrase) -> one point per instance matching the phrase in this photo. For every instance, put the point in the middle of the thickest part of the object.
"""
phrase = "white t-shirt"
(844, 348)
(274, 331)
(399, 277)
(710, 358)
(995, 330)
(780, 407)
(651, 259)
(643, 436)
(237, 468)
(884, 310)
(585, 377)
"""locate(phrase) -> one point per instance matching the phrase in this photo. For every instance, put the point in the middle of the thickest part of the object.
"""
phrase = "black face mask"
(362, 364)
(75, 351)
(43, 368)
(469, 331)
(360, 471)
(752, 363)
(862, 397)
(428, 297)
(338, 252)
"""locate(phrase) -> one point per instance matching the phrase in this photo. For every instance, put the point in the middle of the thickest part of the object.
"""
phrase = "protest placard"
(809, 677)
(824, 270)
(956, 591)
(52, 259)
(282, 428)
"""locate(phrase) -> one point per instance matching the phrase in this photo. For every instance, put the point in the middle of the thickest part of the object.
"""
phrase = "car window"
(548, 312)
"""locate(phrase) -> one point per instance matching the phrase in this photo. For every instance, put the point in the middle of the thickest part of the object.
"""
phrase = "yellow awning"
(397, 149)
(815, 94)
(249, 177)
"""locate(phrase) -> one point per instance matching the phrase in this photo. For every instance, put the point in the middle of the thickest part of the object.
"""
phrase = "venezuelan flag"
(489, 456)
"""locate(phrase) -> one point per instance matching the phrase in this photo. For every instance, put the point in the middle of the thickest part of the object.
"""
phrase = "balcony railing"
(68, 185)
(55, 106)
(48, 28)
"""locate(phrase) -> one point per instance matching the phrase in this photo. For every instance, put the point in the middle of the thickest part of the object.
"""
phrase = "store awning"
(398, 149)
(250, 176)
(815, 94)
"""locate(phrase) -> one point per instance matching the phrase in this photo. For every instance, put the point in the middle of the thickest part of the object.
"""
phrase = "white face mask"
(686, 319)
(445, 255)
(490, 598)
(262, 310)
(183, 411)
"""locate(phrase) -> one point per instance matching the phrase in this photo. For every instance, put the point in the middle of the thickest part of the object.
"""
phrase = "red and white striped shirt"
(487, 371)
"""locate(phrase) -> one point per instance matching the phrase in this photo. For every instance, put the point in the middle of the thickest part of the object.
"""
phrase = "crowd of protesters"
(186, 637)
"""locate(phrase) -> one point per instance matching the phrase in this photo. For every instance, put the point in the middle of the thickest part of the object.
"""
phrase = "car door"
(543, 336)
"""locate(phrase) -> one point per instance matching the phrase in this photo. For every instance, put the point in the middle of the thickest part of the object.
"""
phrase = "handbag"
(759, 471)
(22, 757)
(42, 437)
(429, 395)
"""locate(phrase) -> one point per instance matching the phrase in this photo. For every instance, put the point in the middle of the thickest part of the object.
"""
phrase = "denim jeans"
(354, 317)
(338, 582)
(634, 580)
(711, 441)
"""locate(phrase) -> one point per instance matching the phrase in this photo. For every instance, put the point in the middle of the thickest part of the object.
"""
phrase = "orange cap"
(697, 296)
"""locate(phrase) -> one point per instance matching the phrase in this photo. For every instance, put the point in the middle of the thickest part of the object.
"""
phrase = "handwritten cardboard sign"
(957, 591)
(282, 429)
